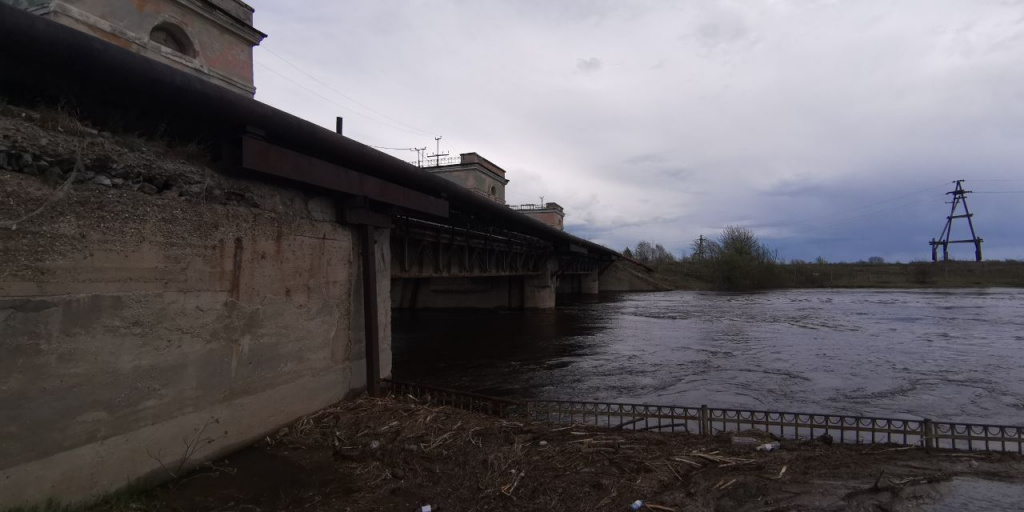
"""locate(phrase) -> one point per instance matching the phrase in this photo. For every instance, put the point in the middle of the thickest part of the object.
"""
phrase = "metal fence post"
(705, 421)
(928, 437)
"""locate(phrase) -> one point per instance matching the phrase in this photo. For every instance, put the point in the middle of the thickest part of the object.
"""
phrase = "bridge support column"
(590, 283)
(539, 289)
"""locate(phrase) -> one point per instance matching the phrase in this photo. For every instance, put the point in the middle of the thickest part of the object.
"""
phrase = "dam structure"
(158, 311)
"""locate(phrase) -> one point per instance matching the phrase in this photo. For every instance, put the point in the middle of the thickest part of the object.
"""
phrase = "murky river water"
(944, 354)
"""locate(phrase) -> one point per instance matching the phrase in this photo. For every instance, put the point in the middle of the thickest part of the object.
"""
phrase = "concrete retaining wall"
(623, 276)
(140, 334)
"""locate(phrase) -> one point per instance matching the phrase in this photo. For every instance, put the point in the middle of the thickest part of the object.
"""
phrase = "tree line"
(736, 260)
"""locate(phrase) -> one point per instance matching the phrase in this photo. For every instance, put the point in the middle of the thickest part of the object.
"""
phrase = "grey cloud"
(792, 116)
(588, 65)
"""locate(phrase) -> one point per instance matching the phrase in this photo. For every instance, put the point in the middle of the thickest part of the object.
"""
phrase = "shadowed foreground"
(398, 454)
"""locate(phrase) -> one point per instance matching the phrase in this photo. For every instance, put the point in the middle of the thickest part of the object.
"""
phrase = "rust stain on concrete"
(236, 271)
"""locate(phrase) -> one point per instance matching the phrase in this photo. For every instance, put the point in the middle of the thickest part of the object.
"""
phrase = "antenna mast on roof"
(437, 153)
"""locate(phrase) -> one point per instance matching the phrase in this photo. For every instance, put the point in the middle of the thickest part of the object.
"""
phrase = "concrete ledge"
(91, 471)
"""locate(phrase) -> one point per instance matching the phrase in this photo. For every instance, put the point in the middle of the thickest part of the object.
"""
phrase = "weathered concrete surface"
(623, 276)
(143, 333)
(221, 39)
(539, 289)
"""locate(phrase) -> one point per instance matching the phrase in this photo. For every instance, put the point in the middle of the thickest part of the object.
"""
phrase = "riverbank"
(399, 454)
(689, 275)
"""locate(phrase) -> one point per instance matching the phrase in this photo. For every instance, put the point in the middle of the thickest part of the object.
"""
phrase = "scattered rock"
(85, 176)
(116, 182)
(65, 164)
(148, 188)
(26, 159)
(194, 190)
(157, 182)
(973, 464)
(102, 179)
(542, 443)
(53, 177)
(375, 444)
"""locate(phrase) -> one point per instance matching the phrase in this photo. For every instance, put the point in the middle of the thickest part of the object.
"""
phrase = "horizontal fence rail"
(501, 407)
(709, 421)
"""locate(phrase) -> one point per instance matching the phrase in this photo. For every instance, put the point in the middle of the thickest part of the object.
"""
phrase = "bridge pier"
(590, 283)
(539, 289)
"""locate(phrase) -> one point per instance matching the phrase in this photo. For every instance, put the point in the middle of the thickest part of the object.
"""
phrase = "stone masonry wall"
(154, 314)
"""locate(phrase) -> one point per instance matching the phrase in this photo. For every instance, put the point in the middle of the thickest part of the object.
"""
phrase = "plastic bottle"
(429, 508)
(636, 505)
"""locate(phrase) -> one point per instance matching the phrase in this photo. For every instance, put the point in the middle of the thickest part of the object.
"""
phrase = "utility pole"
(419, 155)
(959, 197)
(437, 153)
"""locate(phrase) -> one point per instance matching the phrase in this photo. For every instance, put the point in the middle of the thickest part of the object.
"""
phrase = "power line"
(831, 220)
(321, 96)
(339, 93)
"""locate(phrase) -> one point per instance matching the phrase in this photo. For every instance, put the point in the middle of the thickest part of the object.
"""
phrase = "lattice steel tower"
(959, 197)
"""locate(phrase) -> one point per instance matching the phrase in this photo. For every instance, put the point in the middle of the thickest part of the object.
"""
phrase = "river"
(943, 354)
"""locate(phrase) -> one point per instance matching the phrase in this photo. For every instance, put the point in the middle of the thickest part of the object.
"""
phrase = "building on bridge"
(480, 175)
(549, 213)
(475, 173)
(208, 38)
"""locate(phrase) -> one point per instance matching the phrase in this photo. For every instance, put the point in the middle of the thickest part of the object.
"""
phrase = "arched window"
(494, 191)
(174, 37)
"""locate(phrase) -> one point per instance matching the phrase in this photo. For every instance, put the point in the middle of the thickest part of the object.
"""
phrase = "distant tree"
(876, 260)
(644, 252)
(662, 256)
(627, 252)
(821, 261)
(739, 261)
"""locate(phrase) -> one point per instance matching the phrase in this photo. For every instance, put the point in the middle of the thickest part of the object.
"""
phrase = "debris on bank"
(399, 454)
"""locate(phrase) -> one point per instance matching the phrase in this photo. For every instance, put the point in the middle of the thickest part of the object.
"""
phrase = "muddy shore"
(399, 454)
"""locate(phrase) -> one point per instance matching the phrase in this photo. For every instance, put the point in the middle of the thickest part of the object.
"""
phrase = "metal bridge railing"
(500, 407)
(709, 421)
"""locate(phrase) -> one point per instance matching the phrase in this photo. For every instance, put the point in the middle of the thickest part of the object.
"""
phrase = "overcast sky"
(829, 128)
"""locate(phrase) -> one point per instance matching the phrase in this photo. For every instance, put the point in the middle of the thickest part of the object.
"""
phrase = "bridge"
(166, 318)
